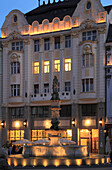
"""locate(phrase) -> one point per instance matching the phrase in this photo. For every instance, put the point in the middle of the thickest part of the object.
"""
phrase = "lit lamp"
(25, 123)
(3, 123)
(100, 121)
(73, 122)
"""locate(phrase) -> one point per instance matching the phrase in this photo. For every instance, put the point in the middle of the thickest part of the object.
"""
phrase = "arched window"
(56, 23)
(67, 22)
(45, 25)
(35, 26)
(15, 68)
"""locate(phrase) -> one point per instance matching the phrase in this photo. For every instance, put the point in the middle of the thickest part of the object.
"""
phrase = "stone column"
(75, 113)
(101, 114)
(27, 116)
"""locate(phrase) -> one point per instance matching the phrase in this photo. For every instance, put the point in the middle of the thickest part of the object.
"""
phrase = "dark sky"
(25, 6)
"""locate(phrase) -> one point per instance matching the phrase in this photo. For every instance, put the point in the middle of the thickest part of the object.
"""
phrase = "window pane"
(46, 66)
(87, 85)
(91, 84)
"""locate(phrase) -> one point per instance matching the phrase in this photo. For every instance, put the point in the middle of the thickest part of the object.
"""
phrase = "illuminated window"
(56, 65)
(88, 60)
(16, 135)
(46, 44)
(90, 35)
(15, 68)
(17, 45)
(57, 42)
(87, 85)
(36, 67)
(38, 134)
(36, 46)
(46, 66)
(68, 64)
(67, 41)
(36, 88)
(46, 88)
(67, 86)
(15, 90)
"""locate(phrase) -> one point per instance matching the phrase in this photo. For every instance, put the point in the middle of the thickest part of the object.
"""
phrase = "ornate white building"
(64, 39)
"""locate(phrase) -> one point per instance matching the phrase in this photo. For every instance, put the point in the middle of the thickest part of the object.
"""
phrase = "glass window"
(15, 90)
(36, 88)
(17, 112)
(36, 67)
(57, 42)
(87, 85)
(57, 65)
(46, 66)
(40, 111)
(46, 44)
(66, 111)
(68, 64)
(17, 45)
(15, 68)
(89, 109)
(67, 41)
(88, 60)
(67, 86)
(36, 46)
(46, 88)
(16, 135)
(90, 35)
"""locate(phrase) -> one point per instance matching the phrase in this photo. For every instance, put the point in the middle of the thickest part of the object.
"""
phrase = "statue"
(55, 95)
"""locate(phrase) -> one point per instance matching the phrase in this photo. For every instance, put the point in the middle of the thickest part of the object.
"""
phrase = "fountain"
(55, 147)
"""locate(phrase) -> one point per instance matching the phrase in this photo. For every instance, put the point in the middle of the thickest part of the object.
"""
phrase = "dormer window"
(15, 18)
(88, 6)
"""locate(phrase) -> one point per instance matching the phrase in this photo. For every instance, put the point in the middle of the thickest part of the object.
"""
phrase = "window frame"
(46, 67)
(36, 67)
(67, 86)
(56, 66)
(17, 45)
(87, 86)
(15, 68)
(15, 90)
(68, 41)
(67, 64)
(89, 35)
(36, 45)
(57, 43)
(46, 44)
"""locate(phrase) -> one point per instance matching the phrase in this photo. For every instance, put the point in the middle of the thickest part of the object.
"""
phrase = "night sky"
(25, 6)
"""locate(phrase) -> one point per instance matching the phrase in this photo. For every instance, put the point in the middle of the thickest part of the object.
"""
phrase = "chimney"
(38, 2)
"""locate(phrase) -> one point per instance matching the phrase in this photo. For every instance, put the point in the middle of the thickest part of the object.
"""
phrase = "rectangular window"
(36, 88)
(46, 88)
(16, 135)
(90, 35)
(89, 109)
(36, 46)
(46, 44)
(67, 86)
(17, 45)
(57, 65)
(46, 66)
(88, 60)
(66, 111)
(40, 111)
(36, 67)
(67, 41)
(15, 68)
(68, 64)
(87, 85)
(17, 112)
(57, 42)
(15, 90)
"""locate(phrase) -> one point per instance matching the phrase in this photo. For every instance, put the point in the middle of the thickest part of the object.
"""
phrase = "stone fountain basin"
(56, 151)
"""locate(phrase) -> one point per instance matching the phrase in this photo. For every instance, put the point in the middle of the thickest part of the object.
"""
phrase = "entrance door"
(90, 138)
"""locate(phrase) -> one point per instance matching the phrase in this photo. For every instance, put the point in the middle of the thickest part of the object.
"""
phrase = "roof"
(49, 11)
(109, 36)
(108, 8)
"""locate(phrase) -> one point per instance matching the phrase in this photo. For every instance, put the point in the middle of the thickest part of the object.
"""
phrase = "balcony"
(47, 96)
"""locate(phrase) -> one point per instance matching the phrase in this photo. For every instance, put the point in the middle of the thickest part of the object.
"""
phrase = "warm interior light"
(47, 124)
(96, 161)
(24, 162)
(68, 64)
(87, 122)
(69, 132)
(103, 160)
(67, 162)
(46, 66)
(15, 162)
(88, 161)
(36, 67)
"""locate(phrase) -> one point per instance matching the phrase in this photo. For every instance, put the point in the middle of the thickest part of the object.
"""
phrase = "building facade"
(1, 61)
(67, 40)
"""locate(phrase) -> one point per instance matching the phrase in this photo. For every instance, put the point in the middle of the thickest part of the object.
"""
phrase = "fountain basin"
(56, 151)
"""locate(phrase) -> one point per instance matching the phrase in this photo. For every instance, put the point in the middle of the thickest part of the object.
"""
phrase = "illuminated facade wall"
(72, 49)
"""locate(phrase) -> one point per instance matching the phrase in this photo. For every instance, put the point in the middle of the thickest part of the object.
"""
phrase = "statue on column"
(55, 94)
